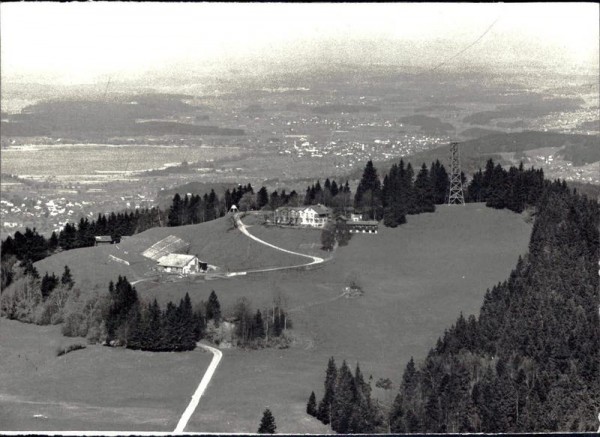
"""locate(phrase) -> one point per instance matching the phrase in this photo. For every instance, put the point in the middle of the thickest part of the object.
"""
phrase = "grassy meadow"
(96, 388)
(416, 279)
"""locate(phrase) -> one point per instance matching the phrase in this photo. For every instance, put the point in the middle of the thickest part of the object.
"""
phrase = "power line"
(106, 89)
(466, 48)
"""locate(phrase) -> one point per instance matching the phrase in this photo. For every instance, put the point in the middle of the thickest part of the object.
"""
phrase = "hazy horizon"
(78, 43)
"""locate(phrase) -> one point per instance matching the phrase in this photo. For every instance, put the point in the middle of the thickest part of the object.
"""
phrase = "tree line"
(331, 194)
(401, 193)
(514, 189)
(529, 362)
(146, 326)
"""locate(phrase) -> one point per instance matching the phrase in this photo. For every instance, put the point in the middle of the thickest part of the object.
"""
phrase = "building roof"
(175, 260)
(364, 222)
(290, 208)
(320, 209)
(103, 238)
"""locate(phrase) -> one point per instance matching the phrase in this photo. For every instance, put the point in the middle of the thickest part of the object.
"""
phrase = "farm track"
(217, 355)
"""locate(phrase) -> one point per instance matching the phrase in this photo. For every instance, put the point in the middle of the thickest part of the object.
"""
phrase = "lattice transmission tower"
(456, 196)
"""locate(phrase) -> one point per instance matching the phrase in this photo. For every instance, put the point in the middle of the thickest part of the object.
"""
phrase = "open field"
(93, 161)
(97, 388)
(416, 278)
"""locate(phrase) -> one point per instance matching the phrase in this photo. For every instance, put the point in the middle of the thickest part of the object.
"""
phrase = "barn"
(179, 263)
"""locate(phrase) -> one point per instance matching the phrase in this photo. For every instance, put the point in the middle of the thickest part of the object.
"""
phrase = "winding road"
(217, 354)
(242, 228)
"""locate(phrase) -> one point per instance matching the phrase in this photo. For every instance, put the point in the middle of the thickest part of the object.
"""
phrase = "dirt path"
(217, 355)
(242, 228)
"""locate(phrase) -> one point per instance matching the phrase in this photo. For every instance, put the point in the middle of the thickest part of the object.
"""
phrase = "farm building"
(363, 226)
(103, 239)
(315, 216)
(181, 264)
(356, 225)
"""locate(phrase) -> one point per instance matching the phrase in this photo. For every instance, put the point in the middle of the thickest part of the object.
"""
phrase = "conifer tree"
(199, 324)
(153, 332)
(324, 410)
(135, 331)
(343, 401)
(169, 332)
(48, 284)
(66, 278)
(187, 324)
(408, 188)
(368, 193)
(394, 212)
(396, 416)
(311, 406)
(424, 191)
(262, 198)
(267, 423)
(122, 298)
(365, 416)
(213, 308)
(175, 211)
(334, 189)
(441, 182)
(259, 325)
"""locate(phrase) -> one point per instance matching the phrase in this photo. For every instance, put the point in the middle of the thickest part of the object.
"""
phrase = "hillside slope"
(216, 242)
(416, 280)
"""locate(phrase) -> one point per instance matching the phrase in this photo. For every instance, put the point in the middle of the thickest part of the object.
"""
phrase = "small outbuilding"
(103, 239)
(363, 226)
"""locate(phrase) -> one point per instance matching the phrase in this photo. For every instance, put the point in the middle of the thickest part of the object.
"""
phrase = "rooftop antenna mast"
(456, 196)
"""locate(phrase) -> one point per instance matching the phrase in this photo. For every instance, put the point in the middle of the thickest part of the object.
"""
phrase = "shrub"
(63, 350)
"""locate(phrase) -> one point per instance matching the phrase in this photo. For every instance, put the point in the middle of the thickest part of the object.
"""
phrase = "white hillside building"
(179, 263)
(315, 216)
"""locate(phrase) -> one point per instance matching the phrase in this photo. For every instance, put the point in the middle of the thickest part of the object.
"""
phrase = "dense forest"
(529, 362)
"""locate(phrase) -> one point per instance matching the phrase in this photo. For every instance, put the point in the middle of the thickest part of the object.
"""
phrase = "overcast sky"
(79, 42)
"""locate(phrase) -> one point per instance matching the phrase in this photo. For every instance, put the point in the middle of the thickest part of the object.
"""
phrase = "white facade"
(179, 263)
(311, 216)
